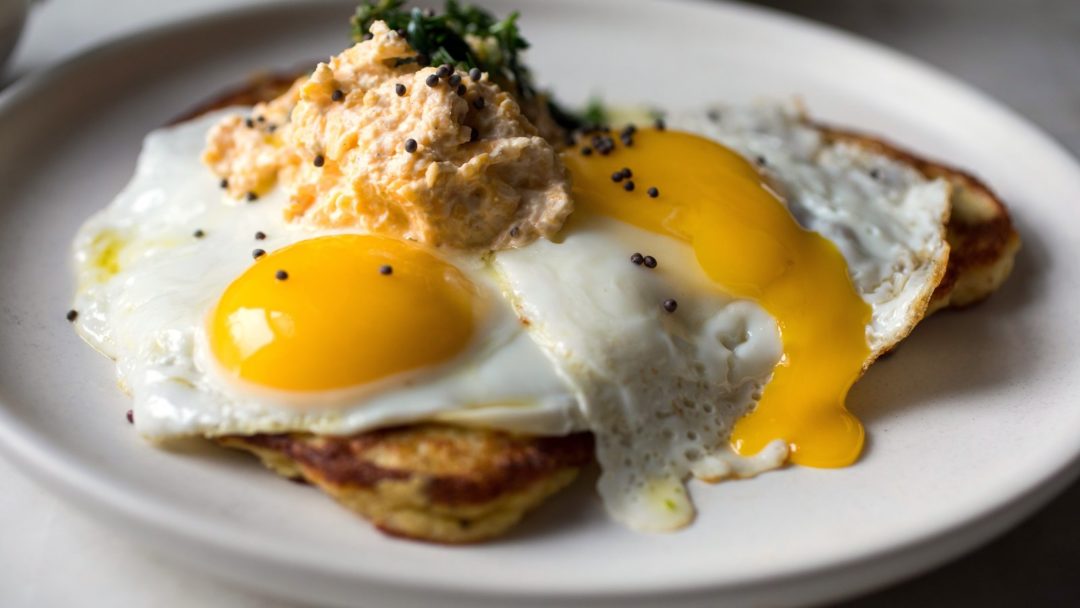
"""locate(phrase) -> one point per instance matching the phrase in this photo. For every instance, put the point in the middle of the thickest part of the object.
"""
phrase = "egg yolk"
(339, 311)
(749, 244)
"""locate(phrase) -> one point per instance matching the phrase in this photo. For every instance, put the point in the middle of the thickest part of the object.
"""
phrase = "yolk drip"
(750, 245)
(349, 309)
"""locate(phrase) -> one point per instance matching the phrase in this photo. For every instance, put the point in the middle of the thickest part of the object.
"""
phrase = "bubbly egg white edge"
(660, 391)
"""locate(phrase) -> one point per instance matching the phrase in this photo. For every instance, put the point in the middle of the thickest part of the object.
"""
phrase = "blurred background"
(1026, 53)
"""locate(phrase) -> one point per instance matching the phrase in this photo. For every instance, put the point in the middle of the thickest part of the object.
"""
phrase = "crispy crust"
(429, 482)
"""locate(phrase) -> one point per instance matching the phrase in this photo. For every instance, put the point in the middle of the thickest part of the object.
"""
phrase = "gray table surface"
(1025, 53)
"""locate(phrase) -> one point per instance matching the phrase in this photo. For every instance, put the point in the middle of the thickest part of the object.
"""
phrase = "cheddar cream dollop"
(366, 143)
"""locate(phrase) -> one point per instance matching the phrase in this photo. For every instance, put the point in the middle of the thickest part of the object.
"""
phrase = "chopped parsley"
(465, 37)
(596, 113)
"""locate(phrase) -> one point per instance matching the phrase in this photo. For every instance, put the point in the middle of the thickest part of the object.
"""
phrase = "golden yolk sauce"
(749, 244)
(340, 311)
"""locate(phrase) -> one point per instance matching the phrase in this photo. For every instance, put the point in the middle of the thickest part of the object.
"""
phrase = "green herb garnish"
(441, 38)
(463, 36)
(596, 113)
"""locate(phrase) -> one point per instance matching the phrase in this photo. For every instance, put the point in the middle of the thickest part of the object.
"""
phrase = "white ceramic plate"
(972, 424)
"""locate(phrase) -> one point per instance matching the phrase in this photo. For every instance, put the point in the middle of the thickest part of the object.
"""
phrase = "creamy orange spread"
(480, 174)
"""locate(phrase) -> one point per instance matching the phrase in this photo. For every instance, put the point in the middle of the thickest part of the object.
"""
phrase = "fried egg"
(783, 266)
(360, 331)
(718, 289)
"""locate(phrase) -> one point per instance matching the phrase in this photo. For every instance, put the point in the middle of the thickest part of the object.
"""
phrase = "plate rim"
(64, 476)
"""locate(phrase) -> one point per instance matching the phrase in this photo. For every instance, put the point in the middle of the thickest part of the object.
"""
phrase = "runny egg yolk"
(749, 244)
(340, 311)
